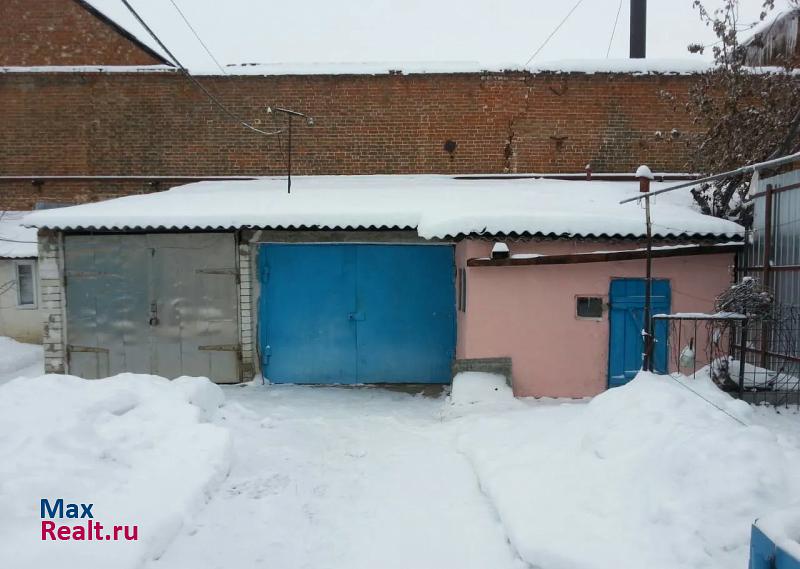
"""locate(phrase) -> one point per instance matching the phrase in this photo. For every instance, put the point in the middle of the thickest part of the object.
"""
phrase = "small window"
(26, 285)
(589, 307)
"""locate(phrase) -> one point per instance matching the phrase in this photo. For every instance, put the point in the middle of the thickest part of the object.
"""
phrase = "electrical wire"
(734, 417)
(6, 240)
(7, 287)
(196, 35)
(614, 29)
(189, 76)
(548, 38)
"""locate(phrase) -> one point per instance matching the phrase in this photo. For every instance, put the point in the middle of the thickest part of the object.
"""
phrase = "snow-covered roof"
(16, 241)
(89, 69)
(437, 206)
(648, 66)
(567, 66)
(582, 66)
(685, 66)
(768, 23)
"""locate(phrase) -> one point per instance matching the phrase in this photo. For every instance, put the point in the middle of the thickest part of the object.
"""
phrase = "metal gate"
(164, 304)
(333, 313)
(771, 256)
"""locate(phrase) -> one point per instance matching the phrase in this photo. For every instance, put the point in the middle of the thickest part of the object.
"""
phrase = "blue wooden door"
(406, 301)
(626, 323)
(307, 298)
(356, 313)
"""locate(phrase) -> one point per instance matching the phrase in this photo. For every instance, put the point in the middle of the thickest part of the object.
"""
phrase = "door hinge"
(86, 349)
(221, 348)
(233, 272)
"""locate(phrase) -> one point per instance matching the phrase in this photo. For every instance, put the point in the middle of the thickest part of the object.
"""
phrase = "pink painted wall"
(528, 313)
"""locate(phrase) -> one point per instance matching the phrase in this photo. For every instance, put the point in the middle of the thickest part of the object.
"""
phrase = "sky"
(493, 33)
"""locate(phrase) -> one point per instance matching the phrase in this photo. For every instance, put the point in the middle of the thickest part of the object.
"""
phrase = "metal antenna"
(290, 114)
(645, 176)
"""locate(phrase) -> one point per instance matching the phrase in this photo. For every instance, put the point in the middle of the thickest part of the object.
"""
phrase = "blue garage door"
(356, 313)
(627, 322)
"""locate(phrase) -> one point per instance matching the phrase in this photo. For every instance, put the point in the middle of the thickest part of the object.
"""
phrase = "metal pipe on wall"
(638, 41)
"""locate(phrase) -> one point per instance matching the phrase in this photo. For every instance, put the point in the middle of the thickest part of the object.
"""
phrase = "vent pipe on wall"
(638, 29)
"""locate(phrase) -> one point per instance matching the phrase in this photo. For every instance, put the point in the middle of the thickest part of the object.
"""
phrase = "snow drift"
(647, 475)
(479, 392)
(16, 357)
(135, 446)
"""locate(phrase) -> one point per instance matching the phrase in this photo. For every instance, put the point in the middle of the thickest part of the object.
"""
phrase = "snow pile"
(478, 391)
(755, 377)
(16, 357)
(783, 528)
(437, 206)
(135, 446)
(647, 475)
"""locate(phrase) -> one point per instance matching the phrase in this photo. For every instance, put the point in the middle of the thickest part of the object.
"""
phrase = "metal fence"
(753, 349)
(727, 349)
(771, 346)
(772, 254)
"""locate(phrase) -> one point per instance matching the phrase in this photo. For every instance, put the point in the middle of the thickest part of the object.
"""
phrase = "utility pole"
(289, 160)
(645, 176)
(638, 38)
(290, 114)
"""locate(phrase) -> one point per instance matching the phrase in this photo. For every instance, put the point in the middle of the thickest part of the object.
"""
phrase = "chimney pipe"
(638, 29)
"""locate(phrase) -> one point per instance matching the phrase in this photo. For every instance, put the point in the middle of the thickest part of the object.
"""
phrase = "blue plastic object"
(764, 554)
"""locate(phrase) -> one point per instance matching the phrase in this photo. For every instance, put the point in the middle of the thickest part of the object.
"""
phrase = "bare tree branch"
(743, 114)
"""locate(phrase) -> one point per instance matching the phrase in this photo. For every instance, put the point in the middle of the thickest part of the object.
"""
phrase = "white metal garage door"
(164, 304)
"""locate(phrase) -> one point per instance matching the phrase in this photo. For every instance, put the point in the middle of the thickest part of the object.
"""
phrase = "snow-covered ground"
(137, 447)
(344, 478)
(647, 475)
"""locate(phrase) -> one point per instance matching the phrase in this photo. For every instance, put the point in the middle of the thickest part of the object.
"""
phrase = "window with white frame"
(26, 284)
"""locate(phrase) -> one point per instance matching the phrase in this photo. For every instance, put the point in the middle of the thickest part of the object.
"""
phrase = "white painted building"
(20, 316)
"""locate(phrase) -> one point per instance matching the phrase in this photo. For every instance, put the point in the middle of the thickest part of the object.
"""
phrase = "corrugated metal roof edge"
(511, 234)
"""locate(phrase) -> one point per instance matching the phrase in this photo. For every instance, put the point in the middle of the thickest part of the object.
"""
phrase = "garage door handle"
(356, 316)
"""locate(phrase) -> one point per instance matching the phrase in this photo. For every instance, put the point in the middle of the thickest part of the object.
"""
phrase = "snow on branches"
(743, 114)
(747, 297)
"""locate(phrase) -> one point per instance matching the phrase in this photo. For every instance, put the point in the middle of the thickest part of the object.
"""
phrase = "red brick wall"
(62, 32)
(160, 124)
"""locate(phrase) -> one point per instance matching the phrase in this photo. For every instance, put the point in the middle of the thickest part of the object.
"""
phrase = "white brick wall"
(246, 321)
(51, 289)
